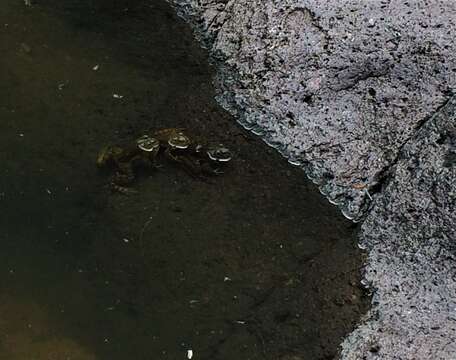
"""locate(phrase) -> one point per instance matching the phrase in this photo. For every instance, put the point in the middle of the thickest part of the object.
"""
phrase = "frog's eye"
(179, 141)
(219, 153)
(147, 143)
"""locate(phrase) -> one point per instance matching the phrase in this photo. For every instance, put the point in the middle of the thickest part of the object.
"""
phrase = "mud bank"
(358, 94)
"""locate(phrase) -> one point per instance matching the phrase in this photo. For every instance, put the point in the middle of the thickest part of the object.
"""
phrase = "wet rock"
(336, 86)
(409, 233)
(360, 95)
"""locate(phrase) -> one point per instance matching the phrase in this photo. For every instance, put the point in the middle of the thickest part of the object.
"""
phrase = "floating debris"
(26, 48)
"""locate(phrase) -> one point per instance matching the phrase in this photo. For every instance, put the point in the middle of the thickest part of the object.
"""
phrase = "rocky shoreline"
(360, 95)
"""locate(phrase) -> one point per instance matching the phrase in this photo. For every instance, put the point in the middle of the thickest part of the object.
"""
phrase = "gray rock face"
(410, 237)
(337, 86)
(360, 95)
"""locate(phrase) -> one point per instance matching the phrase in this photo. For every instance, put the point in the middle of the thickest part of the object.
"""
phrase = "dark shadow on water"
(253, 264)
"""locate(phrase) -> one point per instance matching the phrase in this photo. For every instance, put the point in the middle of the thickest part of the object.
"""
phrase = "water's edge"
(249, 264)
(394, 194)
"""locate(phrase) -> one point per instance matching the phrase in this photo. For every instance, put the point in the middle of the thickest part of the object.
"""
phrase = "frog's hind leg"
(115, 188)
(123, 177)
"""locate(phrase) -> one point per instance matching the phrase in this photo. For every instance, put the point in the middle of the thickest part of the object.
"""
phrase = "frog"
(126, 161)
(193, 155)
(219, 153)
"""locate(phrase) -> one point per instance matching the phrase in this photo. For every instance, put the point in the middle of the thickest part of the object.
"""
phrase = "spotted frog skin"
(127, 161)
(173, 144)
(197, 158)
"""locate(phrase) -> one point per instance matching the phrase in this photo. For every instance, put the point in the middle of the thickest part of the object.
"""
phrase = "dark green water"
(251, 265)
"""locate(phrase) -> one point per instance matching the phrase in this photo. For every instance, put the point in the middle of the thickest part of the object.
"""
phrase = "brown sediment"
(26, 333)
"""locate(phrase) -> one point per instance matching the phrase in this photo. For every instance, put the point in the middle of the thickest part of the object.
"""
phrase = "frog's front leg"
(121, 189)
(192, 166)
(209, 169)
(123, 177)
(182, 160)
(170, 155)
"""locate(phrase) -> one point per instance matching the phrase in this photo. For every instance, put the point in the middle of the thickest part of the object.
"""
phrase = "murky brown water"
(251, 265)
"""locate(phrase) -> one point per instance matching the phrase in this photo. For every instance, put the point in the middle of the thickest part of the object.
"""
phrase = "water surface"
(253, 264)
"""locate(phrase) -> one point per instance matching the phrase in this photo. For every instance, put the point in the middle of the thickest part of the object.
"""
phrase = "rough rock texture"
(410, 236)
(358, 94)
(337, 86)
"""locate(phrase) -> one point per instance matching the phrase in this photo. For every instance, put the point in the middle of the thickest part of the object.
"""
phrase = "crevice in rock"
(314, 20)
(361, 77)
(386, 175)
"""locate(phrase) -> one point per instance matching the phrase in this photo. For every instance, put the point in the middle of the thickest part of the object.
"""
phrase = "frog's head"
(179, 141)
(219, 153)
(147, 143)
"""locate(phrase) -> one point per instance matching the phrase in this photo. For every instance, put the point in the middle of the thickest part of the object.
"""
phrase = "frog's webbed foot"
(122, 179)
(116, 188)
(208, 169)
(217, 171)
(170, 156)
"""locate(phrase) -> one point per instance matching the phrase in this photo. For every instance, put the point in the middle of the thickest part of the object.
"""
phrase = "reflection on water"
(251, 265)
